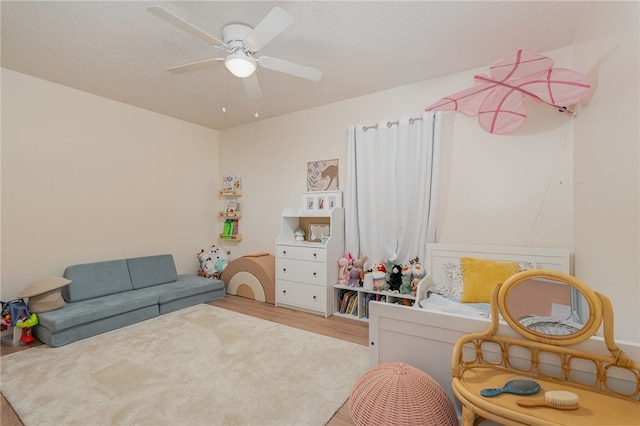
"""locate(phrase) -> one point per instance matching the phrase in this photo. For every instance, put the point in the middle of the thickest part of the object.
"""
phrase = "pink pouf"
(399, 394)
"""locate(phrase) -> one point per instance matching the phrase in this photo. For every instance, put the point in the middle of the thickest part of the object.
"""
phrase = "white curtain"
(392, 188)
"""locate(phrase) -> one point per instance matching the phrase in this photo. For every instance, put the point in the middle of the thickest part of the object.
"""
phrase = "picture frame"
(321, 200)
(317, 231)
(322, 175)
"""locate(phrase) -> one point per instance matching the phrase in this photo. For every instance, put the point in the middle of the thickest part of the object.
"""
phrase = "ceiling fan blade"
(290, 68)
(271, 25)
(184, 25)
(207, 63)
(252, 86)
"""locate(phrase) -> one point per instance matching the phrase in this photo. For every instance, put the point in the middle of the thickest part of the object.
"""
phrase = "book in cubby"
(348, 302)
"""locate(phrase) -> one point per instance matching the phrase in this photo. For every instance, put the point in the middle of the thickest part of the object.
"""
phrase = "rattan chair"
(399, 394)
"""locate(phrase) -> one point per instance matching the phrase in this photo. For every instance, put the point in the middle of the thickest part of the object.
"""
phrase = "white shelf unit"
(362, 299)
(306, 271)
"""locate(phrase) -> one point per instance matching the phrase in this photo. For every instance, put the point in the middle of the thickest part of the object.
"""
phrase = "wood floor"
(340, 328)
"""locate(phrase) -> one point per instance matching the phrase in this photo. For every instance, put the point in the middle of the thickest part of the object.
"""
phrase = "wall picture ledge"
(322, 175)
(321, 200)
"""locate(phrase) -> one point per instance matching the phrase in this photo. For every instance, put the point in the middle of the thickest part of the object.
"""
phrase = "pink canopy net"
(498, 100)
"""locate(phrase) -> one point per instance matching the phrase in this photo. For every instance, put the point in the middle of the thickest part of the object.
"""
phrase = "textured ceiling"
(121, 51)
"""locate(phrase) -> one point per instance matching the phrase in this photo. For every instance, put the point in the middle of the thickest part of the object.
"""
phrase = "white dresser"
(307, 270)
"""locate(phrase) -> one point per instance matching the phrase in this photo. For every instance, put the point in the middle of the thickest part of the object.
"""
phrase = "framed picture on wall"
(321, 200)
(322, 175)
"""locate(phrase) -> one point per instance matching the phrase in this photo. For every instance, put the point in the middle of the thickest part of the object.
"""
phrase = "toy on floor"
(16, 314)
(27, 328)
(213, 261)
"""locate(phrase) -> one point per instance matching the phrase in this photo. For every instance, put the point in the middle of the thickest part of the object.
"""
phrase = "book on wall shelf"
(227, 183)
(231, 206)
(231, 185)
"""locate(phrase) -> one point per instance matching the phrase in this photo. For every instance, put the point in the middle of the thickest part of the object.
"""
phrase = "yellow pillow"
(479, 276)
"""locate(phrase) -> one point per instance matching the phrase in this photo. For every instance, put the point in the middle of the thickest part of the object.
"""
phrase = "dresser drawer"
(317, 254)
(302, 271)
(303, 295)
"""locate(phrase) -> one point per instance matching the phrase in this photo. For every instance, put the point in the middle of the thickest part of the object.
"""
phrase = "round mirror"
(546, 305)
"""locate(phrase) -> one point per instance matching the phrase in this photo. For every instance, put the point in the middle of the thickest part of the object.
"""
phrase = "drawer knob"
(315, 274)
(284, 269)
(314, 297)
(284, 291)
(284, 252)
(315, 255)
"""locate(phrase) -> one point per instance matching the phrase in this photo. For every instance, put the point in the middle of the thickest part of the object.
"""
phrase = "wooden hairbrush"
(561, 400)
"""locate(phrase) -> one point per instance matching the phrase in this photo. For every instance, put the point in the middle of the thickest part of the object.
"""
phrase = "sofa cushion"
(185, 286)
(91, 280)
(151, 270)
(77, 313)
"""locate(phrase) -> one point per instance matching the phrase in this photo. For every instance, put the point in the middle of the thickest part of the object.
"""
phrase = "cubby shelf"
(359, 308)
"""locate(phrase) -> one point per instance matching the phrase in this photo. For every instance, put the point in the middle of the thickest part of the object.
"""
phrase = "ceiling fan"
(241, 42)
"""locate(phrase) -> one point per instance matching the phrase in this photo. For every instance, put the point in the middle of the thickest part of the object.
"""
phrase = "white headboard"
(440, 254)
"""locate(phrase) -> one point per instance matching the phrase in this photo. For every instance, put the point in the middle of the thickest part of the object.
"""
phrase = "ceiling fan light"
(240, 65)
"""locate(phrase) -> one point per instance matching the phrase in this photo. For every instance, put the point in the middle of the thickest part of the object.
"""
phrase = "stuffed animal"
(213, 261)
(359, 264)
(221, 264)
(379, 282)
(395, 278)
(388, 265)
(207, 269)
(405, 287)
(416, 268)
(343, 269)
(354, 277)
(414, 286)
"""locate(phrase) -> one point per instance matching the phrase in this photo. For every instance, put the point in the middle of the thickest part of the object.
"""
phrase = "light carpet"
(199, 366)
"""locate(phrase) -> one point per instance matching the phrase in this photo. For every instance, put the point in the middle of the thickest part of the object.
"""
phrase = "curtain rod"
(390, 124)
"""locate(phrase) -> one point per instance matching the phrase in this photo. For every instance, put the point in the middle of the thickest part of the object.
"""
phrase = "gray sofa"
(104, 296)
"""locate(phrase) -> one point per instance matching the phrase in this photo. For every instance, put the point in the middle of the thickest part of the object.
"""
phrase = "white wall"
(87, 179)
(504, 190)
(607, 160)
